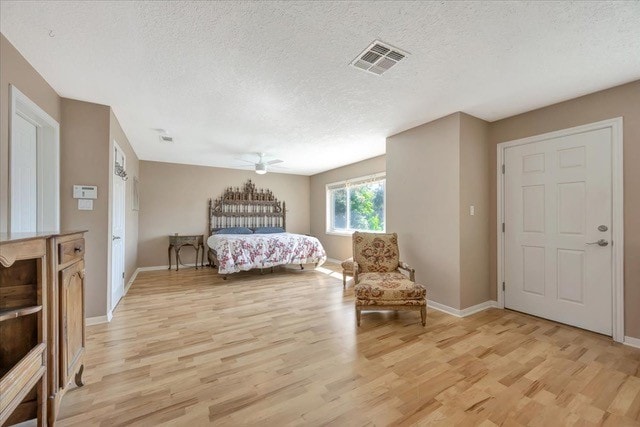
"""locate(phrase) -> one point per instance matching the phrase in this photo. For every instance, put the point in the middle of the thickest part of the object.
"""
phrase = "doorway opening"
(34, 167)
(118, 221)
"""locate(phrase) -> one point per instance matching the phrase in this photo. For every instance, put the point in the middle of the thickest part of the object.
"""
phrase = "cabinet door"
(72, 337)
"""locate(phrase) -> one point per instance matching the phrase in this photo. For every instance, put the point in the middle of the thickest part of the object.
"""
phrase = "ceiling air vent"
(378, 57)
(166, 138)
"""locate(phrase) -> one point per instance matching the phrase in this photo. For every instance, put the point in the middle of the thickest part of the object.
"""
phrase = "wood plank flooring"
(189, 349)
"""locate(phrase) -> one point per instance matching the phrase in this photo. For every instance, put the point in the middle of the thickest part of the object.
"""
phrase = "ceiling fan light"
(261, 168)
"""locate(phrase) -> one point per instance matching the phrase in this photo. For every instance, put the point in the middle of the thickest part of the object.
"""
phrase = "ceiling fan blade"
(274, 162)
(244, 160)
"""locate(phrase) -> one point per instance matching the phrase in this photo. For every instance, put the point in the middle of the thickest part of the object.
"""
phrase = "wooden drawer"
(16, 383)
(71, 250)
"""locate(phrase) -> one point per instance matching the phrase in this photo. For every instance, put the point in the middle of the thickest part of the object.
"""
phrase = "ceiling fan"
(261, 165)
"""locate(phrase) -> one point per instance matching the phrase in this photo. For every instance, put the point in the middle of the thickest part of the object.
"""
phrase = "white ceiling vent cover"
(378, 57)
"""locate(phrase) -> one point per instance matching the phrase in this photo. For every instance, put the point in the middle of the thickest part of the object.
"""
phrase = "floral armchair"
(378, 253)
(379, 283)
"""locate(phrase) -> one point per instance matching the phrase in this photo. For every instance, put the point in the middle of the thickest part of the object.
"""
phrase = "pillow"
(268, 230)
(234, 230)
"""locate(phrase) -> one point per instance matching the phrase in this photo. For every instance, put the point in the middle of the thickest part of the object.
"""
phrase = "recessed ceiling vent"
(378, 58)
(163, 135)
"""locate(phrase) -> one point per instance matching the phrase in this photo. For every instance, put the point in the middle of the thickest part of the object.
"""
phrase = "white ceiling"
(231, 78)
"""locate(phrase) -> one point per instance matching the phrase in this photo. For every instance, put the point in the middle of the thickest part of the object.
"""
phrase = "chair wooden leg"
(358, 315)
(344, 280)
(423, 314)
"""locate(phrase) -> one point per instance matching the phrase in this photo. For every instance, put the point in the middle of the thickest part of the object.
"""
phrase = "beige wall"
(621, 101)
(174, 199)
(337, 247)
(423, 204)
(474, 230)
(131, 217)
(15, 70)
(84, 159)
(87, 134)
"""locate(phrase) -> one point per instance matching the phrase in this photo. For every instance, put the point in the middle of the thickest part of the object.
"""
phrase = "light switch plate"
(85, 204)
(472, 210)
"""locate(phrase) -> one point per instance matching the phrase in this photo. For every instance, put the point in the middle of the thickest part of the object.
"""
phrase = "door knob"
(600, 242)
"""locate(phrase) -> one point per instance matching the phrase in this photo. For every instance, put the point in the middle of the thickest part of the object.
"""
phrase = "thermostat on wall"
(85, 192)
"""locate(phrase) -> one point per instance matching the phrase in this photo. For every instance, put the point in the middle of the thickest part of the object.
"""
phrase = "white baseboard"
(161, 267)
(632, 342)
(337, 261)
(465, 311)
(131, 280)
(153, 268)
(478, 308)
(90, 321)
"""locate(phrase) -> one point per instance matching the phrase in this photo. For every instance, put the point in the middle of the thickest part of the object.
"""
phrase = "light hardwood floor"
(186, 348)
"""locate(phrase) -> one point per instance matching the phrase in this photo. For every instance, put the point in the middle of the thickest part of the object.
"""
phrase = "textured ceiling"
(231, 78)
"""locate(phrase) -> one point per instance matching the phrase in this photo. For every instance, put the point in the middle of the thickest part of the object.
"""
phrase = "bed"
(247, 231)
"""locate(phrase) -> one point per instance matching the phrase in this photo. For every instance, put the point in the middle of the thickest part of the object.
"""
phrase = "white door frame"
(617, 212)
(47, 148)
(112, 161)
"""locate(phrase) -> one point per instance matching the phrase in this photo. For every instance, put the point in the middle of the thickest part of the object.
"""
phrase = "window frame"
(347, 184)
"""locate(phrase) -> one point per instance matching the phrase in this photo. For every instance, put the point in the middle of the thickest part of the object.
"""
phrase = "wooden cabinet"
(23, 328)
(72, 337)
(66, 319)
(42, 329)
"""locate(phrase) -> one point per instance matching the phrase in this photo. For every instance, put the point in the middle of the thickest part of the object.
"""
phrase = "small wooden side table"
(176, 243)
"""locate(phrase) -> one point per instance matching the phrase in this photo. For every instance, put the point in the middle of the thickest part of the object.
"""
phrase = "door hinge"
(503, 168)
(503, 286)
(503, 227)
(123, 274)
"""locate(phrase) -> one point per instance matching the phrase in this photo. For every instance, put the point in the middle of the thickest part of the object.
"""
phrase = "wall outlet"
(472, 210)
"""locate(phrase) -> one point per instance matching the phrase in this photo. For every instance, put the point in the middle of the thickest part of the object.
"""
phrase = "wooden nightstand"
(176, 242)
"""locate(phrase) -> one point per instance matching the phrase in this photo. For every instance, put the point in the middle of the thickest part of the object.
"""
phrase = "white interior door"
(117, 230)
(24, 175)
(557, 207)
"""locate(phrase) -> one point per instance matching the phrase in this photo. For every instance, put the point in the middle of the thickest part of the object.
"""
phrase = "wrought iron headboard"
(246, 207)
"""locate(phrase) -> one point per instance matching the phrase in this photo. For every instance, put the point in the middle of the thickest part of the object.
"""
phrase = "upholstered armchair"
(379, 283)
(377, 253)
(347, 269)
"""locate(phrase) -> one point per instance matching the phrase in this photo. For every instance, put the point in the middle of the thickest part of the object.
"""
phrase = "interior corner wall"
(174, 199)
(131, 216)
(475, 185)
(423, 204)
(15, 70)
(620, 101)
(337, 247)
(84, 159)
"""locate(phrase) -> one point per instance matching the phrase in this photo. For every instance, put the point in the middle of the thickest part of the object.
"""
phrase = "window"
(356, 205)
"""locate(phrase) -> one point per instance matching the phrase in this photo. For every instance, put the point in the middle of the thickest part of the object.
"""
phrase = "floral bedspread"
(241, 252)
